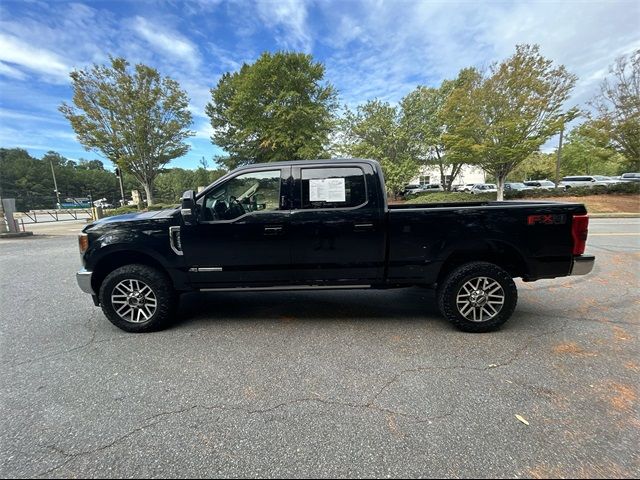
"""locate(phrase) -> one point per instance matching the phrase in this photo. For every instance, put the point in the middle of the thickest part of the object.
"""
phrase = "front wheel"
(138, 298)
(478, 297)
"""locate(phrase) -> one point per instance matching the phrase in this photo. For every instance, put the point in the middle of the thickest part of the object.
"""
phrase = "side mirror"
(593, 180)
(188, 207)
(260, 202)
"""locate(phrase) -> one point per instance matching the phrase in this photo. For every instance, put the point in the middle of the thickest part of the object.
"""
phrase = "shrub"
(119, 211)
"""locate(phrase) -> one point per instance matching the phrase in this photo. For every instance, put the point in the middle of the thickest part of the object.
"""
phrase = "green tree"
(138, 120)
(588, 151)
(618, 109)
(506, 115)
(29, 179)
(537, 166)
(173, 182)
(378, 130)
(423, 117)
(278, 108)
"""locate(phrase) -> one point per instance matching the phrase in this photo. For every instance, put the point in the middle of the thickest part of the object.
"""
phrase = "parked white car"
(630, 177)
(515, 187)
(465, 187)
(484, 188)
(540, 184)
(586, 181)
(102, 203)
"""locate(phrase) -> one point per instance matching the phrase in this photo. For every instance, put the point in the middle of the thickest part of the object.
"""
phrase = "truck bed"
(423, 237)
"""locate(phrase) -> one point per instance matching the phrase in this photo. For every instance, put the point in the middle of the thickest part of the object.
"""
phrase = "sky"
(371, 49)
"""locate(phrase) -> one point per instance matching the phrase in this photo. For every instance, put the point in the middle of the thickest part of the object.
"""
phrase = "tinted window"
(339, 187)
(243, 194)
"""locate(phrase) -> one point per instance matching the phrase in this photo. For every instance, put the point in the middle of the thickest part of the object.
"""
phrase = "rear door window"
(338, 187)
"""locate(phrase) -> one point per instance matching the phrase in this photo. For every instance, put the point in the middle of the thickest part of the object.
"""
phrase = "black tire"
(453, 285)
(156, 281)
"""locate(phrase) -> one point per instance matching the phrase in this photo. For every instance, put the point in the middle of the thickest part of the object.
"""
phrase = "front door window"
(246, 193)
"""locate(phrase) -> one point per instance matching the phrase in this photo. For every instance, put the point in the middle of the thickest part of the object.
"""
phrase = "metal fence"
(36, 208)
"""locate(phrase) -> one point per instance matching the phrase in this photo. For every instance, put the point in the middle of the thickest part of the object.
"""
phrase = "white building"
(430, 174)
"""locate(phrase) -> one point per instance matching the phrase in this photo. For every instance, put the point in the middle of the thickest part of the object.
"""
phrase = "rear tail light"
(579, 231)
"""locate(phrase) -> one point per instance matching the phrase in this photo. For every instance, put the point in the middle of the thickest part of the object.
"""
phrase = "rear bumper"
(84, 281)
(582, 264)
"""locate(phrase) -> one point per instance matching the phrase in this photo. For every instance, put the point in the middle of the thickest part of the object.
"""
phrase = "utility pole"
(119, 175)
(559, 155)
(55, 184)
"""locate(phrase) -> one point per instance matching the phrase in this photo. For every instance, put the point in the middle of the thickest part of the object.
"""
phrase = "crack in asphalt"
(158, 417)
(370, 405)
(74, 455)
(516, 356)
(91, 341)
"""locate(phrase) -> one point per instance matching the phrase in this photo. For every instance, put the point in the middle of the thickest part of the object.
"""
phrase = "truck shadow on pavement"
(407, 304)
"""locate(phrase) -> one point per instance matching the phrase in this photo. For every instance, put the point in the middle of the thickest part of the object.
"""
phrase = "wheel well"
(114, 260)
(504, 256)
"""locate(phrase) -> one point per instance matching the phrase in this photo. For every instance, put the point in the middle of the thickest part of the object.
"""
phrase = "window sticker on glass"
(327, 190)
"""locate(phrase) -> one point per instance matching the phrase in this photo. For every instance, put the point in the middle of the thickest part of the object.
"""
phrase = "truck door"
(337, 225)
(242, 237)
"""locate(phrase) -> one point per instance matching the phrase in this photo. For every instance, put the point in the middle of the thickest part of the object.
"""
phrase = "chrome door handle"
(363, 227)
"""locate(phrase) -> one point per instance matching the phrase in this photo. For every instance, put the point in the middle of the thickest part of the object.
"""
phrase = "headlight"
(83, 242)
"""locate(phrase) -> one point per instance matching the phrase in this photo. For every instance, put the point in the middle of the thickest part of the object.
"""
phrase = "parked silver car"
(540, 184)
(515, 187)
(484, 188)
(630, 177)
(586, 181)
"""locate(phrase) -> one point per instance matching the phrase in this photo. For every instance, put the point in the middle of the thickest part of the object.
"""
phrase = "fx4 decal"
(546, 219)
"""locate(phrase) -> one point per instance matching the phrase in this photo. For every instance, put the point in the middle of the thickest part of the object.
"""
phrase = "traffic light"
(117, 172)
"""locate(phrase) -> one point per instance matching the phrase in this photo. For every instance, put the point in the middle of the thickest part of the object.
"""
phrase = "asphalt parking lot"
(358, 383)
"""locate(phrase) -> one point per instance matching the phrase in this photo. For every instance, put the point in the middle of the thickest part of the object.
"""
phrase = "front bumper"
(84, 281)
(582, 264)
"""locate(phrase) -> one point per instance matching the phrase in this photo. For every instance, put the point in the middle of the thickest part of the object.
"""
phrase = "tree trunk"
(148, 190)
(500, 185)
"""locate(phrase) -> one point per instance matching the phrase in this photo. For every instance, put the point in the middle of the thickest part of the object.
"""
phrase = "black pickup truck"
(326, 225)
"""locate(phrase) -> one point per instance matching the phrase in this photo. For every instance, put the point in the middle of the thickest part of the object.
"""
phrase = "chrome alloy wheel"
(134, 301)
(480, 299)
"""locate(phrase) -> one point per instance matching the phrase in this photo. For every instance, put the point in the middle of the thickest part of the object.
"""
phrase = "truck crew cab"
(325, 224)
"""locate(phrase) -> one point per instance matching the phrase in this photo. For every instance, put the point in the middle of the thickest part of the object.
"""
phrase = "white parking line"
(614, 234)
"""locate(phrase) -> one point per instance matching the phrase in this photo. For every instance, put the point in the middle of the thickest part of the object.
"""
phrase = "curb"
(615, 215)
(16, 234)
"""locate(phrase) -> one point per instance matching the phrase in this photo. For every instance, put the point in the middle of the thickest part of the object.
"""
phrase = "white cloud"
(289, 20)
(170, 43)
(13, 50)
(204, 131)
(6, 113)
(9, 71)
(384, 49)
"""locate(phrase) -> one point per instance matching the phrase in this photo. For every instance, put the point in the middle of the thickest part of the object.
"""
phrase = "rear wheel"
(478, 297)
(138, 298)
